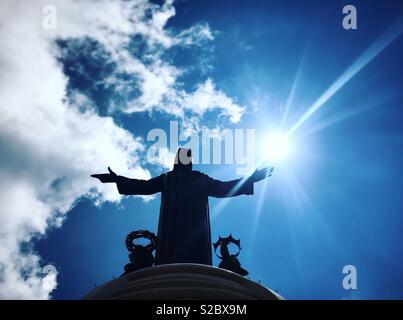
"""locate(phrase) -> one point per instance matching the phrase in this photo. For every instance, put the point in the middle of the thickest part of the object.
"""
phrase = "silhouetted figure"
(184, 225)
(229, 261)
(140, 256)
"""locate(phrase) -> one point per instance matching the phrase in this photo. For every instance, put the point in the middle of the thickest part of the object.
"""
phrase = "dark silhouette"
(140, 256)
(184, 225)
(229, 261)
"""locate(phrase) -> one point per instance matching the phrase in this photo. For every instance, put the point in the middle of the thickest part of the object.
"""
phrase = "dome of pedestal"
(182, 281)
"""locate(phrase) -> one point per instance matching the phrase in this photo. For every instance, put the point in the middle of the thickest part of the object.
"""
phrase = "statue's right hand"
(106, 177)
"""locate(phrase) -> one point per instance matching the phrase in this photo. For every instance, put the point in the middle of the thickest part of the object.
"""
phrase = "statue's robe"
(184, 222)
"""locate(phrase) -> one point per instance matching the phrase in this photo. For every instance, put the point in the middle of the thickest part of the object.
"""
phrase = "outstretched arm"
(224, 189)
(261, 174)
(129, 186)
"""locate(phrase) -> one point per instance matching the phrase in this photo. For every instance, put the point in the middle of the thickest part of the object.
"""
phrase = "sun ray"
(335, 119)
(370, 54)
(293, 90)
(256, 218)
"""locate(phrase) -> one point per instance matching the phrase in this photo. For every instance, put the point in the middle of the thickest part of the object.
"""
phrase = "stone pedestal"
(182, 281)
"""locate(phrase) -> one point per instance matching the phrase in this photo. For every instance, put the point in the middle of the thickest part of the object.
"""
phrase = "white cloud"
(48, 150)
(197, 34)
(162, 157)
(49, 147)
(207, 98)
(158, 78)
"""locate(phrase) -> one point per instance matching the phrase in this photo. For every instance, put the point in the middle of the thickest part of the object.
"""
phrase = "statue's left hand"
(261, 174)
(106, 177)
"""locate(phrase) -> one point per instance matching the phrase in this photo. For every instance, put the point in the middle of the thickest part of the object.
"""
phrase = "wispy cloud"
(52, 136)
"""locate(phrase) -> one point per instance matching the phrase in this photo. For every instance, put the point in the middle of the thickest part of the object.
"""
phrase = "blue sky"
(335, 201)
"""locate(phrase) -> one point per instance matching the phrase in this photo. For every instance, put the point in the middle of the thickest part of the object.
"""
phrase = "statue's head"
(183, 159)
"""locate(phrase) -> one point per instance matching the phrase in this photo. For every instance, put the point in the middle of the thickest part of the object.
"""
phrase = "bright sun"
(275, 146)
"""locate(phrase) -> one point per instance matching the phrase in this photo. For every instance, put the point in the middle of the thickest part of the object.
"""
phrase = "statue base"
(182, 281)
